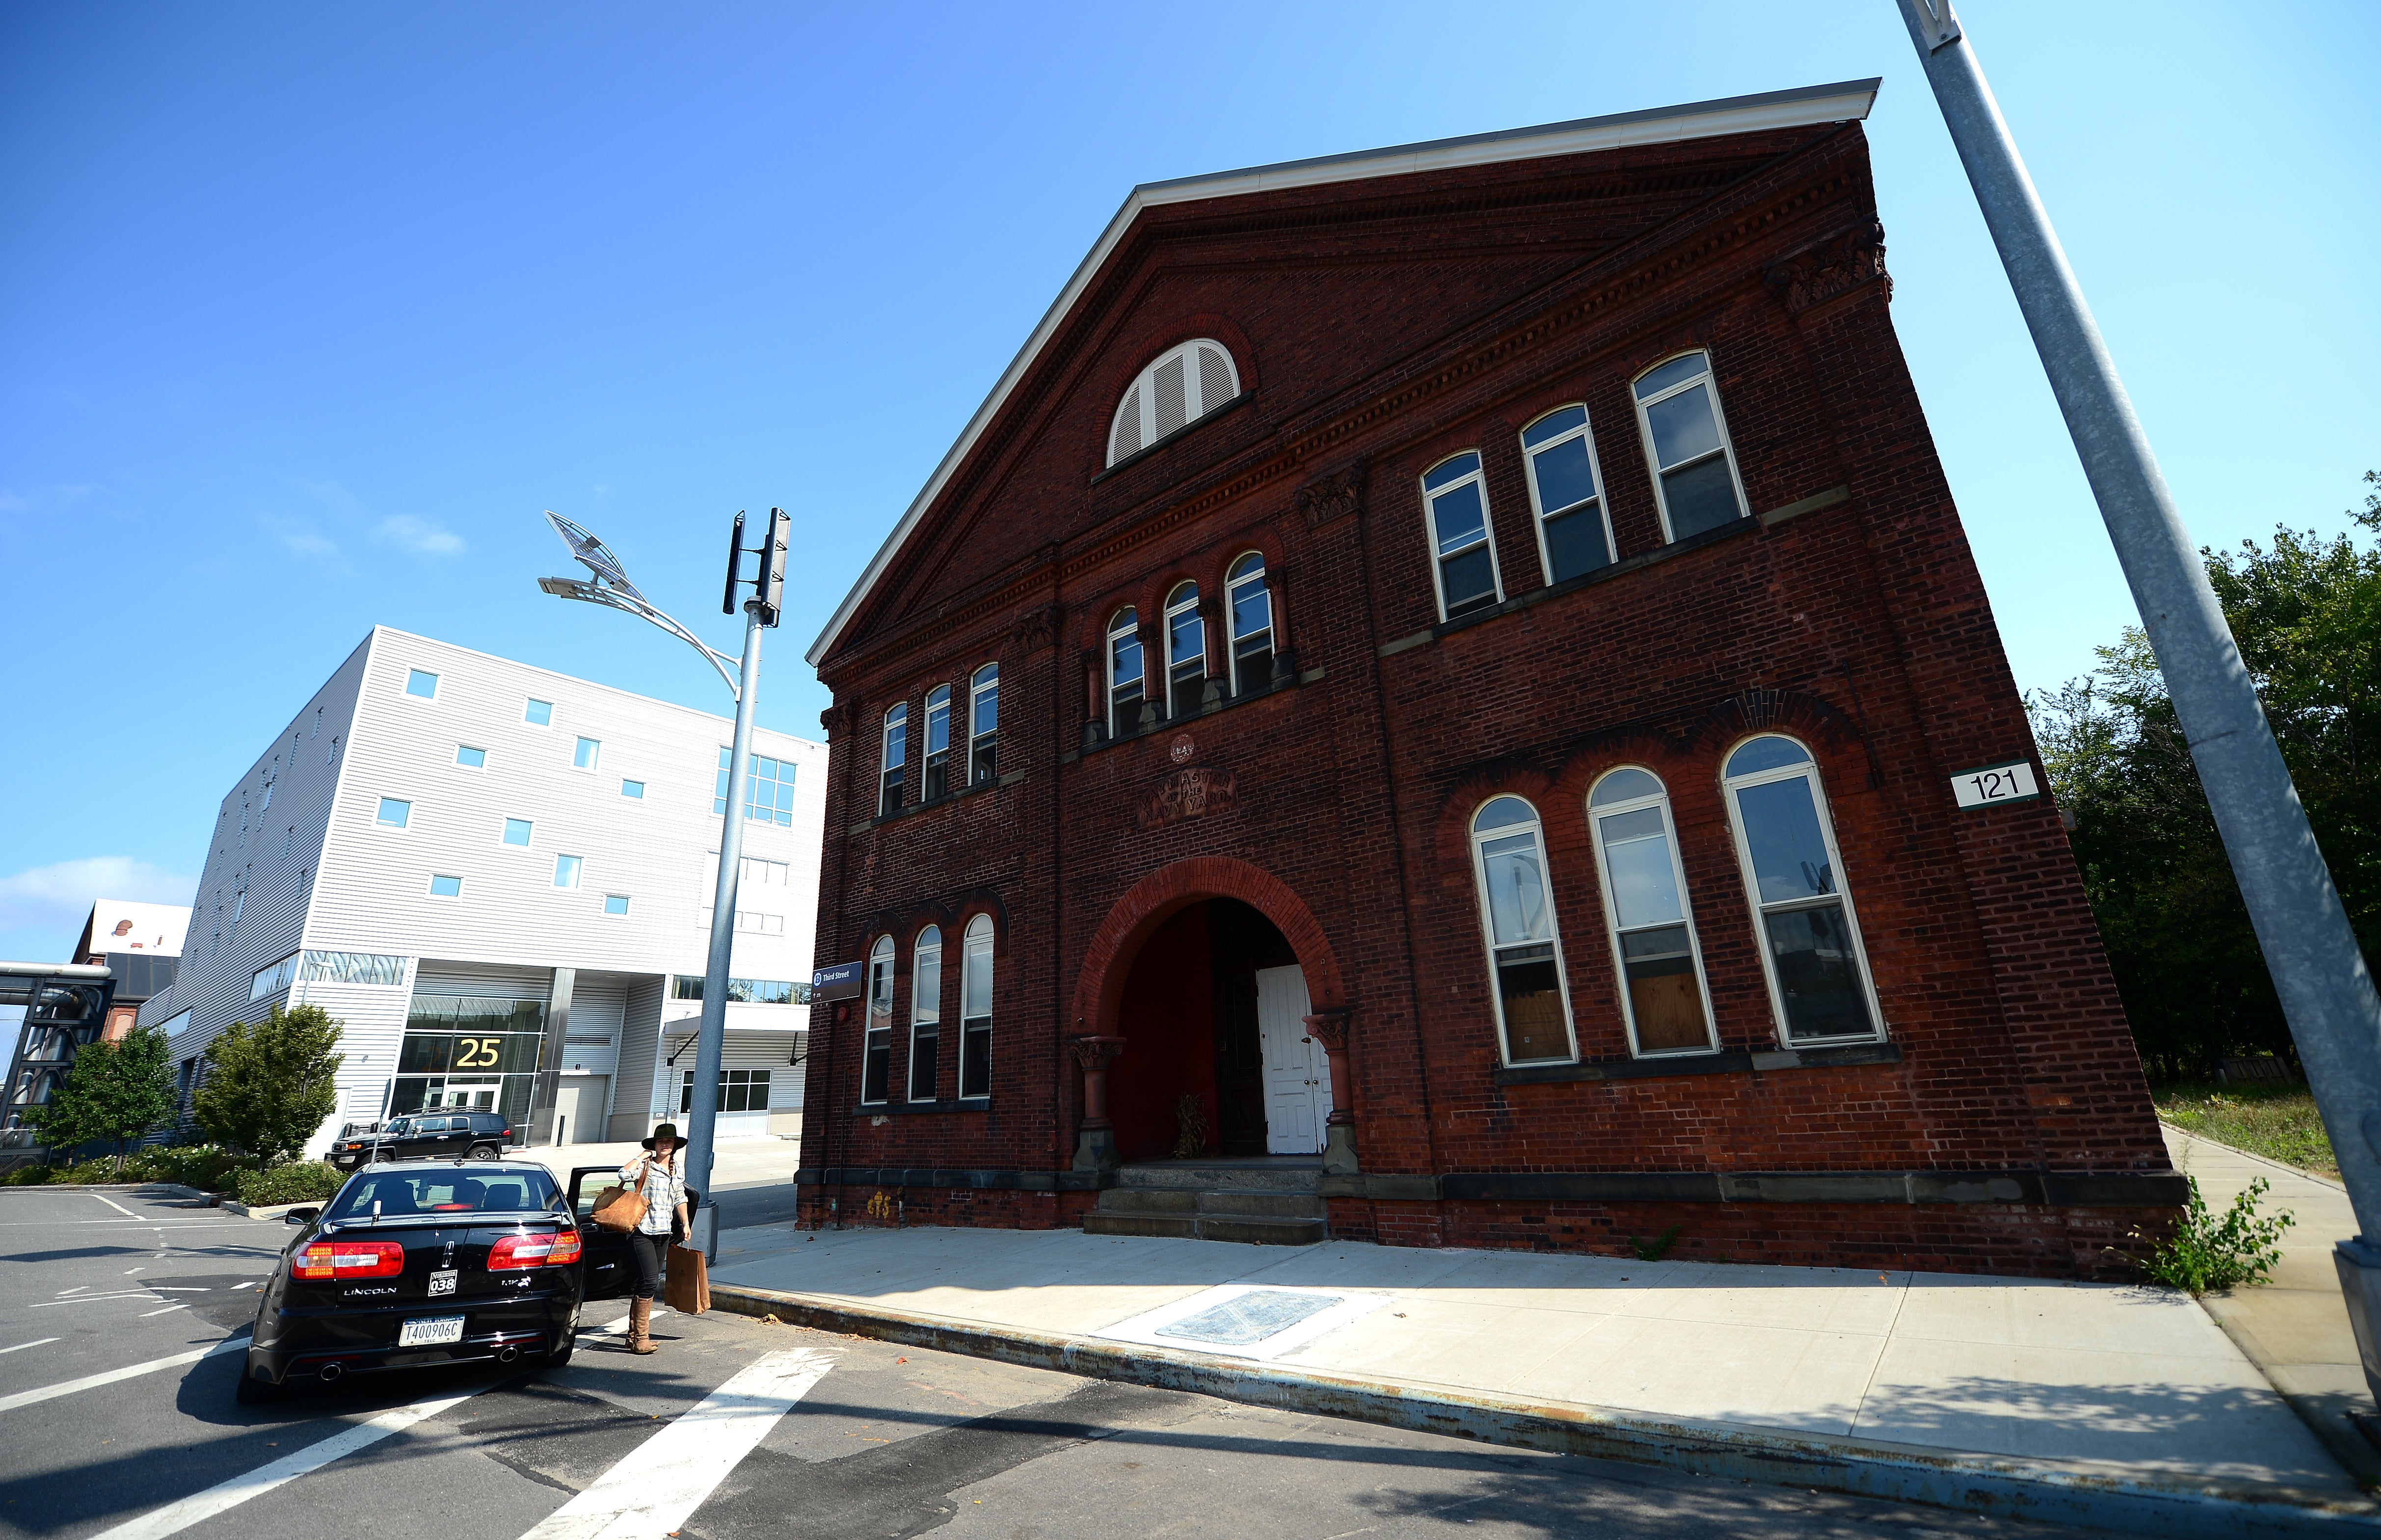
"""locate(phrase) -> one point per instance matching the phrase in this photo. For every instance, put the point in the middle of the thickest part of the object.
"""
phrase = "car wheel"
(254, 1391)
(482, 1152)
(560, 1359)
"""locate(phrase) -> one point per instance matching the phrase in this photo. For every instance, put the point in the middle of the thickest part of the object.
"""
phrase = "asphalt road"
(735, 1430)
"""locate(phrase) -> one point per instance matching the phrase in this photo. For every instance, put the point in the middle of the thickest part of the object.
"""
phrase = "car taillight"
(349, 1259)
(551, 1249)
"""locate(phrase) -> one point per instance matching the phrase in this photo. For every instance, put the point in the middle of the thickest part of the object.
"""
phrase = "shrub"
(2207, 1252)
(299, 1181)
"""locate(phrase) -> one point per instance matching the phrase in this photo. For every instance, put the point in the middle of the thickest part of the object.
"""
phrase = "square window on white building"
(566, 871)
(633, 788)
(421, 682)
(585, 755)
(445, 887)
(540, 713)
(471, 758)
(395, 812)
(517, 831)
(616, 903)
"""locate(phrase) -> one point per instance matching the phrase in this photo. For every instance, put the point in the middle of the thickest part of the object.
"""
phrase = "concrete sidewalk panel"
(1768, 1375)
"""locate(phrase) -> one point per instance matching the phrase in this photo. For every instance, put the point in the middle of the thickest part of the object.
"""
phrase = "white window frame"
(1141, 396)
(1176, 605)
(622, 899)
(382, 805)
(1234, 580)
(504, 827)
(430, 889)
(594, 759)
(1430, 495)
(529, 721)
(896, 715)
(412, 674)
(882, 955)
(920, 1009)
(938, 700)
(461, 764)
(1530, 453)
(981, 740)
(636, 796)
(1808, 769)
(976, 950)
(578, 872)
(1536, 827)
(1661, 800)
(1654, 466)
(1125, 623)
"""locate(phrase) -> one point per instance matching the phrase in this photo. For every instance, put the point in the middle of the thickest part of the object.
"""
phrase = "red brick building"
(1443, 686)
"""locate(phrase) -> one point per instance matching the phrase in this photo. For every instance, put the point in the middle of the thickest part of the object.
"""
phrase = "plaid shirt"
(664, 1189)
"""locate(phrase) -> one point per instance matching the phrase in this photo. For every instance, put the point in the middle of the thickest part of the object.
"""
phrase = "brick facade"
(1380, 322)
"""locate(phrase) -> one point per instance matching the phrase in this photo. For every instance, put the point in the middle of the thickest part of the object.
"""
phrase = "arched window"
(938, 743)
(1252, 606)
(1686, 440)
(1663, 995)
(1186, 651)
(877, 1037)
(896, 755)
(1125, 672)
(1463, 557)
(1524, 953)
(1810, 941)
(1566, 494)
(1184, 384)
(975, 1010)
(984, 724)
(925, 1012)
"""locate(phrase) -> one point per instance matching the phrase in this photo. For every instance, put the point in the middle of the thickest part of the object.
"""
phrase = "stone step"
(1175, 1200)
(1247, 1228)
(1304, 1176)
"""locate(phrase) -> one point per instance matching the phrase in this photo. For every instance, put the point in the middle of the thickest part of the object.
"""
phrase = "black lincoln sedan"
(444, 1262)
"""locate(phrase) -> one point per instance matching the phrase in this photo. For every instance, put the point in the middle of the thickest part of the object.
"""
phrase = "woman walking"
(654, 1174)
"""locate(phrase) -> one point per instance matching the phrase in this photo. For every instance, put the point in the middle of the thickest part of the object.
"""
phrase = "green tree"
(117, 1091)
(2306, 613)
(268, 1085)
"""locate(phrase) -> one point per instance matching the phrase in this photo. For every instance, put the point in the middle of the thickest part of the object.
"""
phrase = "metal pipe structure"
(2311, 950)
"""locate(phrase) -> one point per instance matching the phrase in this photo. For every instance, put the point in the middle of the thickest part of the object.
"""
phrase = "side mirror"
(301, 1215)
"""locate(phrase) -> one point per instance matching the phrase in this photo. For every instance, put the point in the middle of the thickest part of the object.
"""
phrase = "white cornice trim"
(1845, 101)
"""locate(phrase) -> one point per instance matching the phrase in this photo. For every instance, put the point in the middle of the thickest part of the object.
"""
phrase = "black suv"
(425, 1135)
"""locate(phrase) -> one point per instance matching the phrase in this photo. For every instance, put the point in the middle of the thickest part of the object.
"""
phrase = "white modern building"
(500, 880)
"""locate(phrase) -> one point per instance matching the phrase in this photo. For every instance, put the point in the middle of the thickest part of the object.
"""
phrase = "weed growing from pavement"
(2238, 1249)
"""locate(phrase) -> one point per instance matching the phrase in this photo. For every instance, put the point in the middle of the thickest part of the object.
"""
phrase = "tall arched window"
(1185, 651)
(1686, 440)
(1663, 996)
(1463, 556)
(1810, 941)
(1251, 607)
(1566, 494)
(984, 724)
(1524, 953)
(925, 1012)
(877, 1037)
(1182, 385)
(975, 1010)
(896, 755)
(1125, 672)
(938, 743)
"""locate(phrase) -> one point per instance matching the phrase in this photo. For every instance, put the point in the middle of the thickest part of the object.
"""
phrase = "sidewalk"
(2087, 1387)
(2294, 1329)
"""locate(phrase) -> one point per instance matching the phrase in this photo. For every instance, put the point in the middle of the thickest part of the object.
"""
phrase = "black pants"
(649, 1252)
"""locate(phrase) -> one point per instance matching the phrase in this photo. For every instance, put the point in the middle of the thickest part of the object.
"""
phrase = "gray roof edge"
(1845, 100)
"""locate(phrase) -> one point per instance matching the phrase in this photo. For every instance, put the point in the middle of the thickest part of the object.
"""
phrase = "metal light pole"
(2317, 967)
(611, 588)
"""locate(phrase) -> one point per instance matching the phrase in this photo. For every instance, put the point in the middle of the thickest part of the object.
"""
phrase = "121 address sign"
(2012, 782)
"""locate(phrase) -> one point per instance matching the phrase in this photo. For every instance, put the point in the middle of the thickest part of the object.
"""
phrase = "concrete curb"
(269, 1211)
(2094, 1495)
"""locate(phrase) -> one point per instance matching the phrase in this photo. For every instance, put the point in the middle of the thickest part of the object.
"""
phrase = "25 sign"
(478, 1052)
(1994, 784)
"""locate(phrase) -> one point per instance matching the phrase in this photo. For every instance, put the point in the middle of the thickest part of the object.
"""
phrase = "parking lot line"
(178, 1516)
(651, 1491)
(113, 1204)
(22, 1345)
(131, 1371)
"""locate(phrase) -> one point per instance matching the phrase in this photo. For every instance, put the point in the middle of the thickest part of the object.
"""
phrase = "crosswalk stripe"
(89, 1382)
(176, 1517)
(651, 1492)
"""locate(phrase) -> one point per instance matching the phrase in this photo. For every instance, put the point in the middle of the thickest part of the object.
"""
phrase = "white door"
(1297, 1071)
(579, 1109)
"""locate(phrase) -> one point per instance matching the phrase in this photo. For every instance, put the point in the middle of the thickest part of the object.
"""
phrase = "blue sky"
(307, 312)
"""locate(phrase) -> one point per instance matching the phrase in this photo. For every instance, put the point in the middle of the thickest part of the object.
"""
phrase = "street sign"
(845, 980)
(2012, 782)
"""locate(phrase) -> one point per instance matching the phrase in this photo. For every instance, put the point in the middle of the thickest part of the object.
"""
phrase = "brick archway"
(1099, 984)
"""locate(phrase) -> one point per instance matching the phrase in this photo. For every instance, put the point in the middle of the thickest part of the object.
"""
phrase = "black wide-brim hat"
(661, 1129)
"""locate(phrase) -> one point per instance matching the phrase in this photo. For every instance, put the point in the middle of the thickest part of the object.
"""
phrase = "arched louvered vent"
(1184, 384)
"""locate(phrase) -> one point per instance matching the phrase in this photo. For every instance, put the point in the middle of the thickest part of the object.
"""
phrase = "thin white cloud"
(421, 535)
(300, 537)
(56, 899)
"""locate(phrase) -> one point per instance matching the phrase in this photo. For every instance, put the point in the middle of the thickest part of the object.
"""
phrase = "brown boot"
(640, 1325)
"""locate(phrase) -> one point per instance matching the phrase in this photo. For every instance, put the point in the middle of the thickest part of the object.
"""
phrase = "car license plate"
(430, 1331)
(442, 1283)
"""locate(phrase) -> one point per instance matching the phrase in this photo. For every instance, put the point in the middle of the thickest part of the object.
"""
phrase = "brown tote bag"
(686, 1288)
(619, 1208)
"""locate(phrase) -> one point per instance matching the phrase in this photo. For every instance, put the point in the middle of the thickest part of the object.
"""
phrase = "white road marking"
(182, 1288)
(146, 1314)
(131, 1371)
(113, 1204)
(22, 1345)
(176, 1517)
(651, 1493)
(76, 1289)
(93, 1298)
(130, 1271)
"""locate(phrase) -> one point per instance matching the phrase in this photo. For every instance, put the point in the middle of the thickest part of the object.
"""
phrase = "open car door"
(611, 1271)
